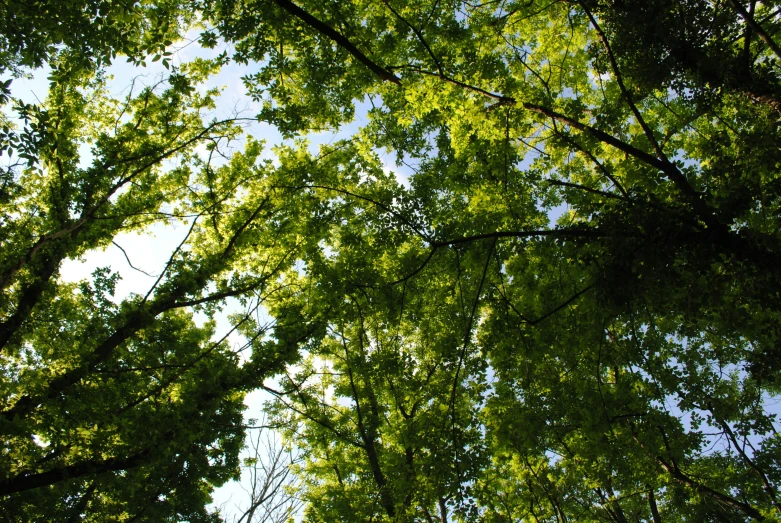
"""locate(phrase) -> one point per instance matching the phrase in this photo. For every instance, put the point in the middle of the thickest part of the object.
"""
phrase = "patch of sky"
(327, 250)
(568, 93)
(556, 212)
(138, 257)
(682, 161)
(597, 80)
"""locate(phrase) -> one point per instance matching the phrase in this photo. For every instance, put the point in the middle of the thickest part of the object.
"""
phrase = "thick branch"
(756, 27)
(654, 509)
(29, 481)
(619, 513)
(369, 441)
(90, 212)
(42, 273)
(143, 316)
(731, 502)
(337, 37)
(676, 473)
(6, 277)
(668, 168)
(624, 91)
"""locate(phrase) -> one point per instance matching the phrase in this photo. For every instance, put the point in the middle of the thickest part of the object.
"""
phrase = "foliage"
(131, 407)
(611, 367)
(446, 352)
(84, 34)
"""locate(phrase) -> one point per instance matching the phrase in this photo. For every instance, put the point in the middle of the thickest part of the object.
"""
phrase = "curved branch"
(127, 259)
(583, 233)
(668, 168)
(596, 162)
(416, 271)
(337, 37)
(586, 189)
(462, 355)
(682, 478)
(765, 482)
(419, 35)
(620, 81)
(551, 312)
(382, 206)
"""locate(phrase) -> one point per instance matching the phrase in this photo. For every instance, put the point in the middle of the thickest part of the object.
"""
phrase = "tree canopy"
(563, 303)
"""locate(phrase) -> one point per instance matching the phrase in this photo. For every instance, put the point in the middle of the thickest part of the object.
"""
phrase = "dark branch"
(756, 27)
(127, 258)
(337, 37)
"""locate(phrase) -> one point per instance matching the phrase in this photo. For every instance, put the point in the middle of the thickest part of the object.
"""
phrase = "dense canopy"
(563, 302)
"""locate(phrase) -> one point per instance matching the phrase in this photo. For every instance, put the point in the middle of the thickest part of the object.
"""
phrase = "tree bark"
(30, 481)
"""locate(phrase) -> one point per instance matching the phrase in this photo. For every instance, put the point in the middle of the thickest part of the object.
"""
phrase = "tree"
(129, 408)
(615, 365)
(273, 485)
(385, 428)
(626, 341)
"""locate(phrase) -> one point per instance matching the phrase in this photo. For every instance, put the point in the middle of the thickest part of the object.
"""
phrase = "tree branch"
(337, 37)
(620, 81)
(693, 197)
(501, 99)
(29, 481)
(749, 18)
(768, 488)
(418, 34)
(680, 477)
(572, 233)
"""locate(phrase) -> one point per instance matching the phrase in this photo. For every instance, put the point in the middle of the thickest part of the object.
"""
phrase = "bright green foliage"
(462, 358)
(384, 430)
(130, 408)
(618, 366)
